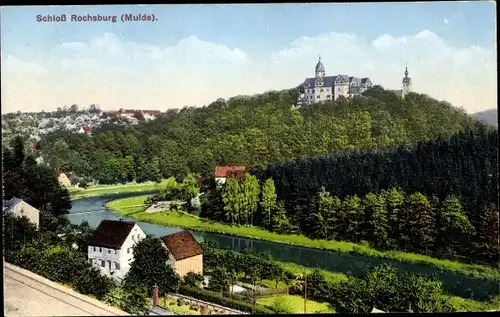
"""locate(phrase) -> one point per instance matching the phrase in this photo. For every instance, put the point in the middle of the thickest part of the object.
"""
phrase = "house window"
(109, 251)
(94, 249)
(321, 90)
(128, 250)
(328, 97)
(116, 251)
(313, 91)
(90, 261)
(109, 265)
(317, 97)
(100, 249)
(117, 265)
(103, 263)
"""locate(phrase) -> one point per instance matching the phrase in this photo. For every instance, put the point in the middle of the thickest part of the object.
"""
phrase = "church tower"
(320, 69)
(406, 83)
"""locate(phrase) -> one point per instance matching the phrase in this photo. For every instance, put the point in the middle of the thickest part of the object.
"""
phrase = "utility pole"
(305, 291)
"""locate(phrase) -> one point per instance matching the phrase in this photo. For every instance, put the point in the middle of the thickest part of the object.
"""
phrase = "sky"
(190, 55)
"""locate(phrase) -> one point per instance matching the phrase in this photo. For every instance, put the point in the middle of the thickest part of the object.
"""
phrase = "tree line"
(251, 131)
(391, 219)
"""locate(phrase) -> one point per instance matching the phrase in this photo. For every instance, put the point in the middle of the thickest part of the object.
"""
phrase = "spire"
(319, 57)
(406, 71)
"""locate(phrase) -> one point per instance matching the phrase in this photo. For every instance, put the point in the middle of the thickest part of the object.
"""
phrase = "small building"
(62, 178)
(111, 250)
(86, 130)
(222, 173)
(20, 208)
(184, 253)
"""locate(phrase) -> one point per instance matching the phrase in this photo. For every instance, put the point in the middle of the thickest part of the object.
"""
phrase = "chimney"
(155, 295)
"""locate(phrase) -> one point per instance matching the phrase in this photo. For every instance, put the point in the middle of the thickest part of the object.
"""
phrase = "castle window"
(313, 91)
(318, 97)
(328, 97)
(321, 90)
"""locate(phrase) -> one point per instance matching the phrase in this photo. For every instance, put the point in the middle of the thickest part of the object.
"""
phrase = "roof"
(182, 245)
(112, 233)
(223, 171)
(87, 129)
(328, 81)
(10, 204)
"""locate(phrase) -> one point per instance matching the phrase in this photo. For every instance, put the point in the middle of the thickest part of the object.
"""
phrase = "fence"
(217, 308)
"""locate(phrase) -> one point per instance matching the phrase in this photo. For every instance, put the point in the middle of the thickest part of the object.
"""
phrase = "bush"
(193, 280)
(92, 282)
(222, 300)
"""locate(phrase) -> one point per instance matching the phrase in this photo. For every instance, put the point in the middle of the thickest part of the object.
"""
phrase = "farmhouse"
(20, 208)
(112, 246)
(222, 173)
(184, 253)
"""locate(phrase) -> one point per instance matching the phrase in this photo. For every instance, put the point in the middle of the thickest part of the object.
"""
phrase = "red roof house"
(229, 171)
(87, 130)
(184, 252)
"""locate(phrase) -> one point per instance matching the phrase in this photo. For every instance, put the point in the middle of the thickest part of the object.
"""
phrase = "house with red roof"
(111, 249)
(184, 253)
(85, 129)
(222, 173)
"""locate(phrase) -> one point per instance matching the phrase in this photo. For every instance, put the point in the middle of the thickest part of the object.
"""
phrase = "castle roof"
(320, 67)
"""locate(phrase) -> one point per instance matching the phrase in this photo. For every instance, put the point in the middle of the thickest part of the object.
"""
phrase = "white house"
(19, 208)
(112, 246)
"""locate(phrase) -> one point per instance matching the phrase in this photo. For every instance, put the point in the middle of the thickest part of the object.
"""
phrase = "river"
(93, 210)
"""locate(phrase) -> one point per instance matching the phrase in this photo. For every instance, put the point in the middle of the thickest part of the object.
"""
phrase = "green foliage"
(488, 245)
(91, 281)
(283, 305)
(135, 301)
(18, 232)
(386, 289)
(268, 203)
(455, 229)
(218, 298)
(193, 280)
(36, 184)
(220, 280)
(150, 268)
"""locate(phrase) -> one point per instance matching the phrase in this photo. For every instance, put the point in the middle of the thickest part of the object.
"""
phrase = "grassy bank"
(294, 304)
(184, 220)
(99, 190)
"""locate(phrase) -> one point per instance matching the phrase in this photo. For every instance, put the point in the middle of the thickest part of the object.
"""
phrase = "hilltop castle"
(323, 88)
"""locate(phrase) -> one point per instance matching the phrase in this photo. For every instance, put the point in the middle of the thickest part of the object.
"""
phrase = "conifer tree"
(418, 223)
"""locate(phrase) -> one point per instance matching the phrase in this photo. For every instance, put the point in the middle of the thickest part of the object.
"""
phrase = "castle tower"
(320, 69)
(406, 83)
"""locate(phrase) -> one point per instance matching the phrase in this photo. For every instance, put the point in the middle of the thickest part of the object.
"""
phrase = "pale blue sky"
(263, 34)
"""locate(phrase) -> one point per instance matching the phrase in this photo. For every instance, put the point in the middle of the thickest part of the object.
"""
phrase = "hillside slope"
(253, 131)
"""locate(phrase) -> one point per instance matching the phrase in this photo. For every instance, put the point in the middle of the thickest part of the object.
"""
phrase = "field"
(134, 207)
(99, 190)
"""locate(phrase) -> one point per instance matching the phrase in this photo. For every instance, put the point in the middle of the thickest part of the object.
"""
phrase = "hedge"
(220, 299)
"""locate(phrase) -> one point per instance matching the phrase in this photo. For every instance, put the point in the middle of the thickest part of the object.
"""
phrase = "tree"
(150, 268)
(418, 223)
(219, 280)
(91, 281)
(455, 229)
(250, 195)
(394, 199)
(18, 232)
(267, 202)
(135, 302)
(279, 221)
(353, 211)
(379, 225)
(232, 200)
(323, 215)
(488, 246)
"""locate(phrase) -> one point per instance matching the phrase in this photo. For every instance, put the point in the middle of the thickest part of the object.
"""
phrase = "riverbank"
(101, 190)
(187, 221)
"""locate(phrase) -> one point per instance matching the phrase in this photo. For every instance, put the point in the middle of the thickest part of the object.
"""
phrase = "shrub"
(92, 282)
(222, 300)
(282, 305)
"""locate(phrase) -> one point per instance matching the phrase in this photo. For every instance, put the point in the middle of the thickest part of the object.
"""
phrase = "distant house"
(111, 250)
(184, 253)
(62, 178)
(19, 208)
(85, 129)
(222, 173)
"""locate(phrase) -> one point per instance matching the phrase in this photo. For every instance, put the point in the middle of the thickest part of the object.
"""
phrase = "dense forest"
(252, 131)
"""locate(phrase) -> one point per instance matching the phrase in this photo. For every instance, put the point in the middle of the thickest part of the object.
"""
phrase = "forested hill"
(252, 131)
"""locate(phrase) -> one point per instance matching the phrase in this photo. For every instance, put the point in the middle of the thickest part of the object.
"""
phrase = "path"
(28, 294)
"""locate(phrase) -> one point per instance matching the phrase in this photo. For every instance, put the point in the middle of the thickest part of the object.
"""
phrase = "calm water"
(93, 211)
